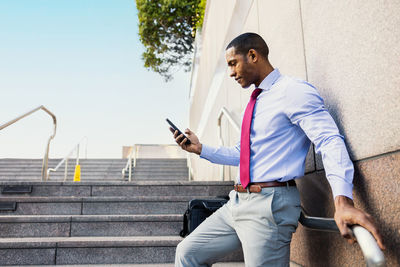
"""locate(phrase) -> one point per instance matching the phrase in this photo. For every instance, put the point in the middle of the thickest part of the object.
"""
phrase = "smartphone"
(179, 131)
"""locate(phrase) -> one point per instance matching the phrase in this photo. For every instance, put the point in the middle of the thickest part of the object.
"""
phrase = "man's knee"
(187, 255)
(184, 251)
(181, 250)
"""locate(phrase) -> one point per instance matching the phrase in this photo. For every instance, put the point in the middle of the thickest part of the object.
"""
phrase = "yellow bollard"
(77, 174)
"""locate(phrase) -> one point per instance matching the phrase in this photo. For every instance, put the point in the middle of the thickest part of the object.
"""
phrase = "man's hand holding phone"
(189, 142)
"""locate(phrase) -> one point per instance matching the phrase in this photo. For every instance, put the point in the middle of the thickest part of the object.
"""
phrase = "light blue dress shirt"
(287, 115)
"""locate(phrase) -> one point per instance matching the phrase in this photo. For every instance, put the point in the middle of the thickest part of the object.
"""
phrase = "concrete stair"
(88, 250)
(161, 169)
(95, 169)
(116, 188)
(99, 222)
(221, 264)
(91, 169)
(89, 225)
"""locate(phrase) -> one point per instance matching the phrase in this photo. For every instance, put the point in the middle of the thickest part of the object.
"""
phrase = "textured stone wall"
(376, 190)
(350, 51)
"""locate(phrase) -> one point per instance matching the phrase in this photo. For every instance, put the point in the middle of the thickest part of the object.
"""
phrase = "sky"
(81, 59)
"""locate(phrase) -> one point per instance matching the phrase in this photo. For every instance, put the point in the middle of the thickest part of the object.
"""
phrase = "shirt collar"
(270, 80)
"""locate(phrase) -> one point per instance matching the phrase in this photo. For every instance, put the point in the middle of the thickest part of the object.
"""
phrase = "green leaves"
(167, 30)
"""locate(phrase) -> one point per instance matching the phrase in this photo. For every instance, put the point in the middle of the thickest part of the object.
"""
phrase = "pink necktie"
(245, 139)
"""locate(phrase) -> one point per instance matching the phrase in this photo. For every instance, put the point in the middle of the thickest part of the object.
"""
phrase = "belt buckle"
(256, 188)
(236, 187)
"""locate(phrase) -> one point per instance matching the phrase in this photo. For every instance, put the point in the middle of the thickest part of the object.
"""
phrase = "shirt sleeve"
(222, 155)
(305, 108)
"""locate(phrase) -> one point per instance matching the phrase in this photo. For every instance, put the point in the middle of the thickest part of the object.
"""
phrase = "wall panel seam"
(377, 156)
(304, 44)
(387, 154)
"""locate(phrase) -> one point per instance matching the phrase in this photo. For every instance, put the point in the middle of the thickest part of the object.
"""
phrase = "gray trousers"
(262, 223)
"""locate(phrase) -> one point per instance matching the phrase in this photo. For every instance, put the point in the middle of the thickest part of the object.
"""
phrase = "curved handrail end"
(372, 253)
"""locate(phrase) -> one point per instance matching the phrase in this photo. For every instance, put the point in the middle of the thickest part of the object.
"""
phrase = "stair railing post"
(189, 165)
(46, 155)
(128, 166)
(234, 123)
(130, 162)
(77, 155)
(66, 170)
(136, 154)
(221, 142)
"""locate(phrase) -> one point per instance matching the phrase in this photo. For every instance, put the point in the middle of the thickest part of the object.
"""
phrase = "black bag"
(198, 210)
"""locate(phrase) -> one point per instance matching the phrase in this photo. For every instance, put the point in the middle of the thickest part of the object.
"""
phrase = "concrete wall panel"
(205, 170)
(353, 57)
(280, 26)
(251, 24)
(216, 22)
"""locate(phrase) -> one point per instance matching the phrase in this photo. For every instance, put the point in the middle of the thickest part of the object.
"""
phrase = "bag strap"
(213, 206)
(185, 229)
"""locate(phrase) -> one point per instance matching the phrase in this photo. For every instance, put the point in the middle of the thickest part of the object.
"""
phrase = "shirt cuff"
(341, 188)
(206, 151)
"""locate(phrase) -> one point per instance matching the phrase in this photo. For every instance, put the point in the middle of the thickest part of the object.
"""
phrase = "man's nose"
(232, 73)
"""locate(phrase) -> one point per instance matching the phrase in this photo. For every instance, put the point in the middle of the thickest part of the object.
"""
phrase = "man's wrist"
(198, 152)
(343, 201)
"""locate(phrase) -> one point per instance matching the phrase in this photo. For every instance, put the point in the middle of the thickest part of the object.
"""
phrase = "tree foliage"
(167, 29)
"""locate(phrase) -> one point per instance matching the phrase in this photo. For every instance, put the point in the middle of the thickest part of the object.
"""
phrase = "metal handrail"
(234, 123)
(189, 165)
(372, 253)
(46, 155)
(129, 164)
(66, 158)
(135, 155)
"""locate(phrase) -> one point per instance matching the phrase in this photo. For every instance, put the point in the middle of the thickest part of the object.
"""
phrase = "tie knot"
(256, 92)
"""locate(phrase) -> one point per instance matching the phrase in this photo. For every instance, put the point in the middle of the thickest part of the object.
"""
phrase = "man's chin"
(246, 86)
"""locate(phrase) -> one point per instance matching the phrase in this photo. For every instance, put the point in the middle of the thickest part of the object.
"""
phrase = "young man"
(282, 116)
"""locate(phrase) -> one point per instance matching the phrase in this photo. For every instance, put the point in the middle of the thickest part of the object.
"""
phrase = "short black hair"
(249, 40)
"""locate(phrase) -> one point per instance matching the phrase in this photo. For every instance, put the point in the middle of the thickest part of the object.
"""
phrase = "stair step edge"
(103, 241)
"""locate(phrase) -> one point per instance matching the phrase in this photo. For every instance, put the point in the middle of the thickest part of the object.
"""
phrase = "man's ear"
(253, 55)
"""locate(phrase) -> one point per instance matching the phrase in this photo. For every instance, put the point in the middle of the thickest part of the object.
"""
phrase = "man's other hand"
(346, 215)
(194, 147)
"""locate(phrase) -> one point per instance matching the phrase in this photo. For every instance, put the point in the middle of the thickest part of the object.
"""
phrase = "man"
(283, 115)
